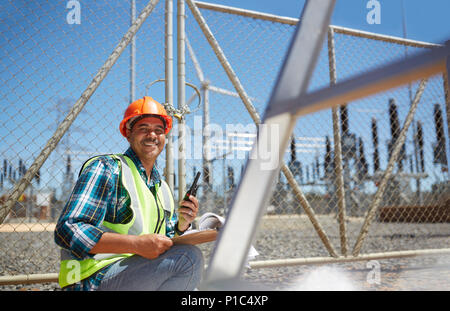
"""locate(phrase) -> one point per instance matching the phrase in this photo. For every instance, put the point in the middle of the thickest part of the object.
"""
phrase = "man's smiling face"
(147, 138)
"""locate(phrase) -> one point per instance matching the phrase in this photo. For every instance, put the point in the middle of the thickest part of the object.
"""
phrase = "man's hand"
(187, 212)
(147, 245)
(152, 245)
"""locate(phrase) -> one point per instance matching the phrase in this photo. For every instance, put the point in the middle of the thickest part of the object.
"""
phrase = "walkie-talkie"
(193, 189)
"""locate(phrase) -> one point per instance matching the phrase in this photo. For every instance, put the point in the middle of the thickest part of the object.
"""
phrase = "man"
(116, 227)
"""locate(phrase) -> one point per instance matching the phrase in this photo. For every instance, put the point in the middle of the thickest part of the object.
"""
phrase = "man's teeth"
(149, 144)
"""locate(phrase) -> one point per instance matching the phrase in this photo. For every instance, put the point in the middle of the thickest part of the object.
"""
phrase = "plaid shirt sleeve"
(77, 228)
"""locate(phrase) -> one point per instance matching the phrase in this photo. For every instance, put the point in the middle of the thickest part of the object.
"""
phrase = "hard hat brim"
(130, 121)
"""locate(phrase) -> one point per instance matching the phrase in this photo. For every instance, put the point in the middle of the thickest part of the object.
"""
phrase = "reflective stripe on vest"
(150, 215)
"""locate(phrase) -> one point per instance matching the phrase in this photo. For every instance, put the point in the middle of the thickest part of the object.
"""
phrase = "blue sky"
(425, 20)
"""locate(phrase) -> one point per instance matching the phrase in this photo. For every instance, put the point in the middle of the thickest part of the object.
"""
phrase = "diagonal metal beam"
(389, 169)
(198, 68)
(257, 181)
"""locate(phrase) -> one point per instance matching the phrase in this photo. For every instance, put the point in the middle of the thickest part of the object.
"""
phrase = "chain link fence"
(50, 54)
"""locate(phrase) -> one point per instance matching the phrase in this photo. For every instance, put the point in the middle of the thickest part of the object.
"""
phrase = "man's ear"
(127, 132)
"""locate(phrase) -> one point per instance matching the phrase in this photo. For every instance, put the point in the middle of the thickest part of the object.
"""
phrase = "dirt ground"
(32, 250)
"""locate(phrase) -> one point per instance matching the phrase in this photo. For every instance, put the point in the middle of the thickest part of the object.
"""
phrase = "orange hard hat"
(146, 106)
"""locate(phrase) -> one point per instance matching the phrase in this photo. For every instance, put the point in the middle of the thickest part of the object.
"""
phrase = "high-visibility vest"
(149, 216)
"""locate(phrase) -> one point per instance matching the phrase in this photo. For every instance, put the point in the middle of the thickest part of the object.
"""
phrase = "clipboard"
(197, 237)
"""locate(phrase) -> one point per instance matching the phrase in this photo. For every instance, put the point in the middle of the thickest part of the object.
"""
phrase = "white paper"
(213, 221)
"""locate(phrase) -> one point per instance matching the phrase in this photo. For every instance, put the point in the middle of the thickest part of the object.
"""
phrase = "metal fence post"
(337, 147)
(133, 55)
(181, 63)
(206, 163)
(168, 61)
(446, 77)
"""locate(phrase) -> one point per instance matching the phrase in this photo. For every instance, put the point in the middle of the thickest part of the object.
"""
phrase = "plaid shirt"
(97, 196)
